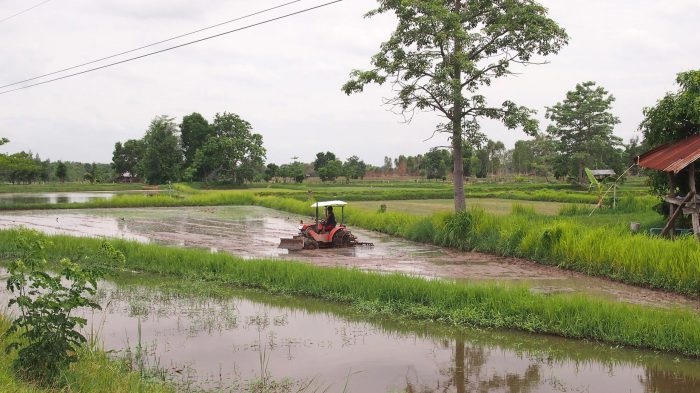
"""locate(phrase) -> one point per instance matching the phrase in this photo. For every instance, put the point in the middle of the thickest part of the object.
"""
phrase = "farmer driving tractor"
(326, 233)
(330, 220)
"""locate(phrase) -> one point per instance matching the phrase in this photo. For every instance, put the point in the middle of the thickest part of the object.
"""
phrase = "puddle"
(250, 232)
(217, 343)
(7, 199)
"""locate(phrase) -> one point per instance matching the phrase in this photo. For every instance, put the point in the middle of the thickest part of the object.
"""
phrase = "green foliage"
(322, 159)
(61, 171)
(162, 157)
(20, 167)
(331, 170)
(458, 304)
(673, 118)
(442, 52)
(128, 157)
(583, 128)
(195, 131)
(47, 341)
(93, 372)
(232, 153)
(354, 168)
(436, 163)
(294, 171)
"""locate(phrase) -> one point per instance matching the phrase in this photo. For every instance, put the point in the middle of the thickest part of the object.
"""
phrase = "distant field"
(430, 206)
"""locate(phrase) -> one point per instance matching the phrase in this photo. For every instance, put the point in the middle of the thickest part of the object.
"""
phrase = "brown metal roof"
(672, 157)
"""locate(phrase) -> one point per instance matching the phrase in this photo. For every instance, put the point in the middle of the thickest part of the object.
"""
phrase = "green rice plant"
(458, 304)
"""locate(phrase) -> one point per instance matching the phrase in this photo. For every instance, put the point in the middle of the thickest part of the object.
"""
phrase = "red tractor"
(316, 235)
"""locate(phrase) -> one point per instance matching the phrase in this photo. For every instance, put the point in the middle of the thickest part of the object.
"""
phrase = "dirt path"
(255, 232)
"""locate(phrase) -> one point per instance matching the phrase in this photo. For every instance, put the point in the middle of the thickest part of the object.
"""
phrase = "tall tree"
(443, 51)
(234, 153)
(583, 126)
(194, 133)
(354, 168)
(61, 171)
(331, 170)
(675, 117)
(322, 159)
(128, 157)
(271, 172)
(435, 162)
(162, 156)
(523, 157)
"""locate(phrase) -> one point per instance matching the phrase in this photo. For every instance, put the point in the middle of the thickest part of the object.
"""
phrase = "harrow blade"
(366, 244)
(295, 244)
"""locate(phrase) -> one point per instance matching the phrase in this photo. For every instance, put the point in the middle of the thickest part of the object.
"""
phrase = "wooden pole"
(672, 194)
(676, 213)
(695, 217)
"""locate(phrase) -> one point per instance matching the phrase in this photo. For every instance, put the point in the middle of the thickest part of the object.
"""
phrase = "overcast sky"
(285, 77)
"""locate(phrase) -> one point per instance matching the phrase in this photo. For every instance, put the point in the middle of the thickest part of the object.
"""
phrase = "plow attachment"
(294, 244)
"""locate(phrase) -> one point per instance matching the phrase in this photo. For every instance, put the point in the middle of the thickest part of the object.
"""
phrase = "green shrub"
(45, 337)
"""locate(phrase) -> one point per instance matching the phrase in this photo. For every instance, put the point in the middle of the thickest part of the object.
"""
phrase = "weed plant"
(94, 371)
(459, 304)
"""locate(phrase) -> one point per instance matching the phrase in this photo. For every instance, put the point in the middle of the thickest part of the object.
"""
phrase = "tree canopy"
(232, 153)
(162, 158)
(583, 125)
(442, 52)
(674, 117)
(194, 133)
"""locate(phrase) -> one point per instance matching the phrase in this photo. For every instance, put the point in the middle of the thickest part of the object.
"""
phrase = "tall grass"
(459, 304)
(610, 251)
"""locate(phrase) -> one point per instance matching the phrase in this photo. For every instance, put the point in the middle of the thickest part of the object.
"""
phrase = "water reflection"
(53, 198)
(218, 336)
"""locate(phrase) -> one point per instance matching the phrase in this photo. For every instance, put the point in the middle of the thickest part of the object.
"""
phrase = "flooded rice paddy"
(53, 198)
(251, 231)
(220, 339)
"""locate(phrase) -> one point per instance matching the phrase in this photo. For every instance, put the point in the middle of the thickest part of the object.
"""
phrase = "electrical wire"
(22, 12)
(175, 47)
(153, 44)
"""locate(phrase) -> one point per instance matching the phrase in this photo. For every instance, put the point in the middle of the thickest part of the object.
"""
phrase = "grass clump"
(93, 372)
(482, 305)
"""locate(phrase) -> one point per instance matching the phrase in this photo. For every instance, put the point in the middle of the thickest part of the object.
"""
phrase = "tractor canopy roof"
(329, 203)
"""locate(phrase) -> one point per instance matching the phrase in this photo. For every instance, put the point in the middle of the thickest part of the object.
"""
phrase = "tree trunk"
(581, 173)
(458, 171)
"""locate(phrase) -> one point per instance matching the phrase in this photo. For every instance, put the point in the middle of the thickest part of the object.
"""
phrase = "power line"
(22, 12)
(176, 46)
(150, 45)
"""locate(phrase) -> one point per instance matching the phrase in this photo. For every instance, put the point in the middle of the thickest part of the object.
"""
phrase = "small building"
(127, 177)
(601, 174)
(680, 161)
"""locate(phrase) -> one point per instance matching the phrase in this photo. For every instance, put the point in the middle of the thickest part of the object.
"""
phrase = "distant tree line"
(225, 150)
(27, 168)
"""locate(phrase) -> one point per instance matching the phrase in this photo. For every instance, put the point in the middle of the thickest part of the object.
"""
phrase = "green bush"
(45, 337)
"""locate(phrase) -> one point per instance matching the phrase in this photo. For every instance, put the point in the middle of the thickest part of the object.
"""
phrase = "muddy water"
(255, 232)
(221, 342)
(59, 197)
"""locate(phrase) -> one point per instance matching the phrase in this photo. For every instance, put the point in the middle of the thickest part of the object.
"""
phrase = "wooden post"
(672, 194)
(676, 213)
(695, 217)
